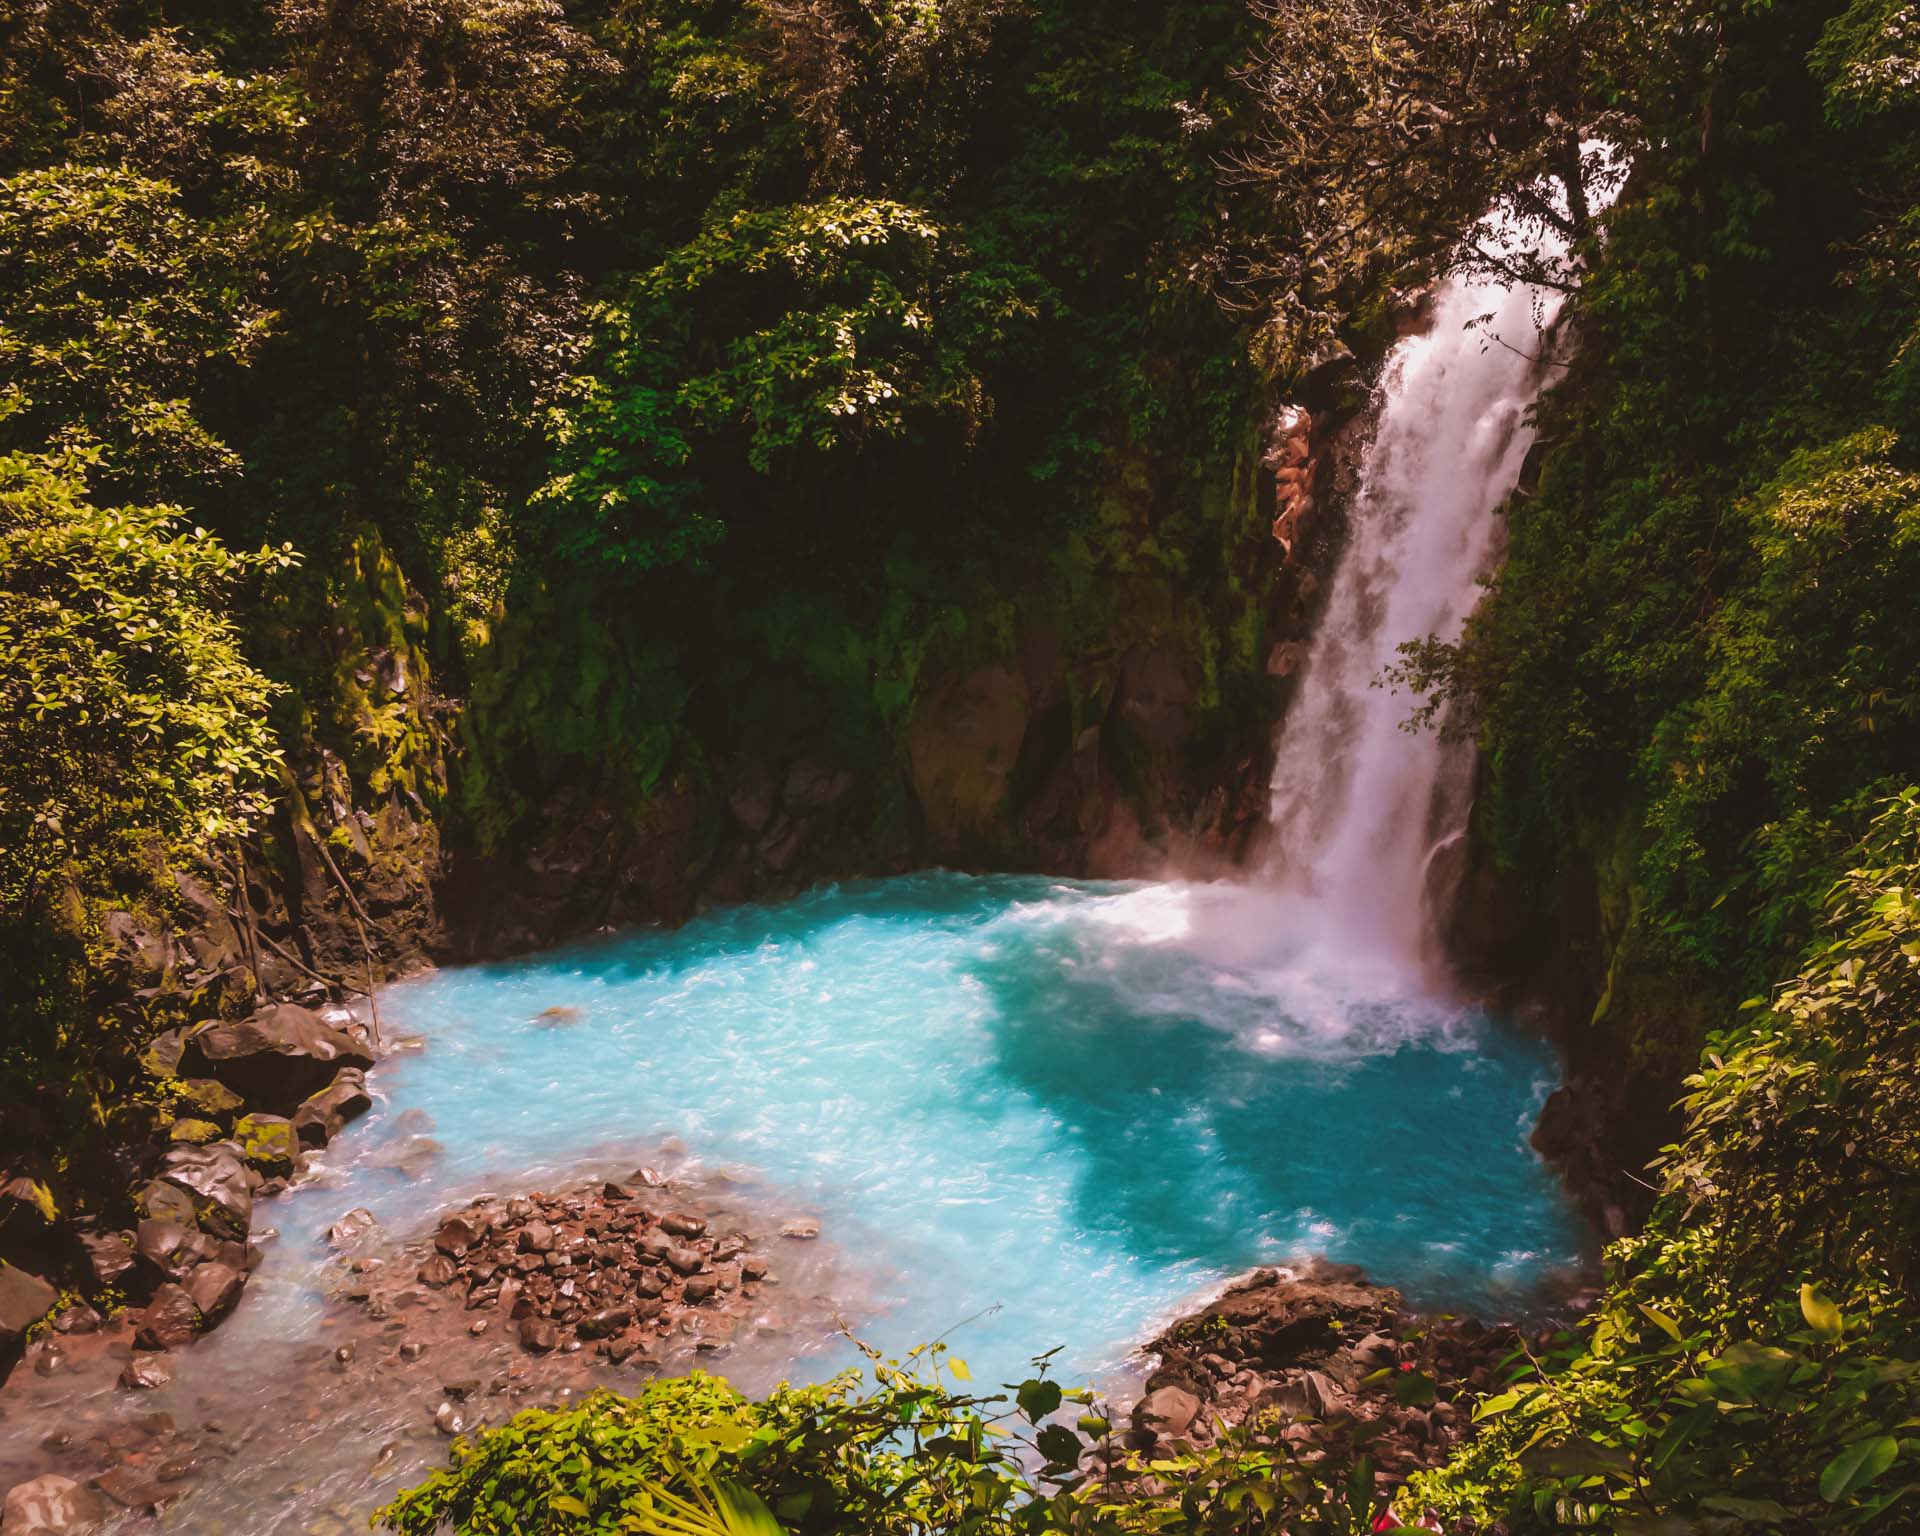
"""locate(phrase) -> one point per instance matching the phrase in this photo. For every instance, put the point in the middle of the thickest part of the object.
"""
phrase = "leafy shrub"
(126, 706)
(912, 1456)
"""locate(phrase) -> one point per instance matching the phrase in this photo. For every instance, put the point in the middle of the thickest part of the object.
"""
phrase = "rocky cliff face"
(1121, 731)
(1566, 948)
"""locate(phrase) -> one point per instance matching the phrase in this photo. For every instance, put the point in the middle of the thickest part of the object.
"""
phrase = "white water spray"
(1360, 807)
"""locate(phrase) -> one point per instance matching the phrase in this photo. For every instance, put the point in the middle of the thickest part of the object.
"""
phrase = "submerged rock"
(145, 1373)
(351, 1228)
(50, 1506)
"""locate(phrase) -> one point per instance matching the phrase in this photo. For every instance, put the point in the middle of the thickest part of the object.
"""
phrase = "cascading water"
(1361, 806)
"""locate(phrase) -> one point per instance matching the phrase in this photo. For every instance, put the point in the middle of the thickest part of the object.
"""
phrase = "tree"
(117, 311)
(127, 711)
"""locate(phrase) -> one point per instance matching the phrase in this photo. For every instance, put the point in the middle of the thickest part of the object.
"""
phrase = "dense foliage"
(915, 1453)
(1702, 647)
(1755, 1364)
(131, 712)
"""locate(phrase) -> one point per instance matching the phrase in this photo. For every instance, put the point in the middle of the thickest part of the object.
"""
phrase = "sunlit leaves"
(126, 706)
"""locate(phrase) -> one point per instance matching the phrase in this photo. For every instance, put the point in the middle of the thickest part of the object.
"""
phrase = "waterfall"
(1360, 807)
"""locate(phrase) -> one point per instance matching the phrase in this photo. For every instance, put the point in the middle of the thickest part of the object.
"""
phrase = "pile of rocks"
(614, 1266)
(1313, 1351)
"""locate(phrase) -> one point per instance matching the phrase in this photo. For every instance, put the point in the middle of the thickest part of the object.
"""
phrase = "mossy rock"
(268, 1143)
(208, 1099)
(195, 1132)
(161, 1058)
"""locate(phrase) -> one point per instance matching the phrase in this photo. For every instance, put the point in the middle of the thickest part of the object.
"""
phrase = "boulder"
(169, 1321)
(268, 1143)
(24, 1300)
(438, 1271)
(538, 1335)
(208, 1099)
(194, 1133)
(109, 1255)
(962, 744)
(162, 1201)
(215, 1180)
(456, 1235)
(171, 1248)
(605, 1321)
(275, 1059)
(50, 1506)
(325, 1114)
(1168, 1412)
(214, 1288)
(161, 1057)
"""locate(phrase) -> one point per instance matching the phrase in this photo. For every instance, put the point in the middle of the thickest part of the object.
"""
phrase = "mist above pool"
(1074, 1103)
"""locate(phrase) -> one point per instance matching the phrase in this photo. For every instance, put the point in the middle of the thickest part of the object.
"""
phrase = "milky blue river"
(1073, 1103)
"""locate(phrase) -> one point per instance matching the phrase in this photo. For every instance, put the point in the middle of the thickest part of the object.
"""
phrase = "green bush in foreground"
(915, 1454)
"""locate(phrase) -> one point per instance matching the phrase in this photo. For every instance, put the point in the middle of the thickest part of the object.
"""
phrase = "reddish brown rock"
(24, 1299)
(168, 1321)
(214, 1288)
(324, 1115)
(275, 1059)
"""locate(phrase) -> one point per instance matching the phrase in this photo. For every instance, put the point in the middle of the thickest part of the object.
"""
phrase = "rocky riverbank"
(504, 1302)
(627, 1271)
(1321, 1354)
(240, 1104)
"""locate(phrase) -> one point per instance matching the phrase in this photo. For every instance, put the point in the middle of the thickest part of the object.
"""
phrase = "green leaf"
(1750, 1373)
(1661, 1321)
(1680, 1431)
(745, 1512)
(1060, 1445)
(1857, 1466)
(1822, 1316)
(1038, 1397)
(1413, 1389)
(567, 1505)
